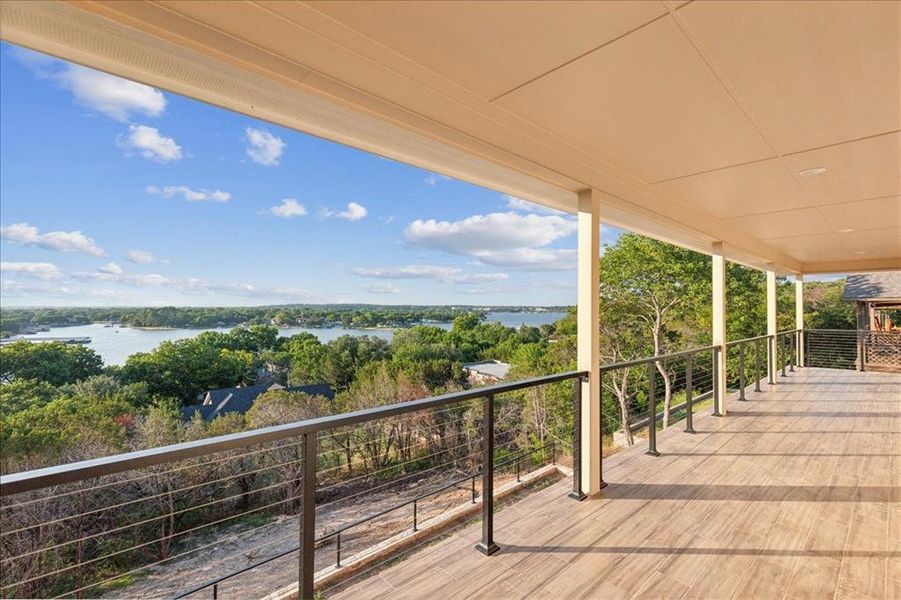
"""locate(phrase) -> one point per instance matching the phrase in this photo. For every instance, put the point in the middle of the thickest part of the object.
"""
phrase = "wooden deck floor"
(796, 494)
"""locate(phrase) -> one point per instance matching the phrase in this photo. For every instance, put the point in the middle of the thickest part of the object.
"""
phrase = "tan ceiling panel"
(812, 248)
(873, 243)
(758, 187)
(810, 73)
(492, 47)
(854, 171)
(867, 214)
(646, 103)
(803, 221)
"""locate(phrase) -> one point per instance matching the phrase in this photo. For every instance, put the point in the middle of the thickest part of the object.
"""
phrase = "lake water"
(115, 344)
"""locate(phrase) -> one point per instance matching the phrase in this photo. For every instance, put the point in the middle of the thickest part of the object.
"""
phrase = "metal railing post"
(805, 339)
(415, 515)
(771, 359)
(782, 354)
(861, 350)
(757, 365)
(338, 550)
(487, 545)
(652, 410)
(716, 382)
(689, 392)
(577, 494)
(792, 351)
(308, 519)
(741, 373)
(602, 483)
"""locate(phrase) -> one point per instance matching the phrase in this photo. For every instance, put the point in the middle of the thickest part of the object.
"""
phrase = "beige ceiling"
(694, 119)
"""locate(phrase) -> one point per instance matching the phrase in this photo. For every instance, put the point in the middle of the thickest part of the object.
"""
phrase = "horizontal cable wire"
(153, 497)
(143, 544)
(167, 515)
(148, 475)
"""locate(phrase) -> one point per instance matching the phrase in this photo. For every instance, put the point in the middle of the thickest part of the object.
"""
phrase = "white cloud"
(64, 241)
(523, 205)
(529, 259)
(382, 288)
(196, 286)
(18, 289)
(353, 212)
(191, 195)
(508, 239)
(41, 270)
(288, 208)
(151, 144)
(435, 178)
(443, 274)
(142, 257)
(265, 148)
(153, 279)
(111, 268)
(113, 96)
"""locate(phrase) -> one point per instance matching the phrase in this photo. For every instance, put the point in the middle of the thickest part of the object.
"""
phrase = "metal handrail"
(660, 357)
(27, 481)
(750, 339)
(336, 533)
(308, 432)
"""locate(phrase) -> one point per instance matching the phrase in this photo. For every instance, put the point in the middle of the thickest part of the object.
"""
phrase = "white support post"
(718, 303)
(771, 320)
(588, 346)
(799, 317)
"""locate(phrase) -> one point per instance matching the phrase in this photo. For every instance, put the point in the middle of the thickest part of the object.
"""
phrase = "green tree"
(347, 354)
(824, 307)
(305, 355)
(185, 368)
(53, 362)
(661, 285)
(20, 394)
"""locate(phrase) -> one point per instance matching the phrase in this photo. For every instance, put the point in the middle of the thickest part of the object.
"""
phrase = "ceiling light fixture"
(812, 172)
(848, 230)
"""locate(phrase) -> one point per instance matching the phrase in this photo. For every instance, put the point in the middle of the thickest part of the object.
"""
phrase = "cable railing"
(852, 349)
(346, 483)
(639, 394)
(358, 478)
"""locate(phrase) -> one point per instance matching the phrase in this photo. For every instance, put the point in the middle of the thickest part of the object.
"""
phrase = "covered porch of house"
(652, 116)
(794, 496)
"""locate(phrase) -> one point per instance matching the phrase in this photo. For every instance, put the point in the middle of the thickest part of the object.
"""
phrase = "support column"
(718, 303)
(799, 317)
(771, 320)
(589, 350)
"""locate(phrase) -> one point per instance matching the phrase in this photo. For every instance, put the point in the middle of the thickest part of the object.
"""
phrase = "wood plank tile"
(794, 495)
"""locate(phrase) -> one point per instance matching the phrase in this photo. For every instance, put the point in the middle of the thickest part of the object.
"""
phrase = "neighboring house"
(223, 401)
(878, 297)
(486, 371)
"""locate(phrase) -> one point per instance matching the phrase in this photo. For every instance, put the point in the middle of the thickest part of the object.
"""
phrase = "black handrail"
(27, 481)
(308, 432)
(660, 357)
(337, 532)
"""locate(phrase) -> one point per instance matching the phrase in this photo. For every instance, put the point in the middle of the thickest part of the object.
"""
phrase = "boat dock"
(62, 339)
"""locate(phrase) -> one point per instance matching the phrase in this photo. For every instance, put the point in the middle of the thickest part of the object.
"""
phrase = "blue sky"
(114, 193)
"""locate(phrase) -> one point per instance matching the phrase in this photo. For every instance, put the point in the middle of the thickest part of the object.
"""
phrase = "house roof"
(873, 286)
(494, 368)
(240, 399)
